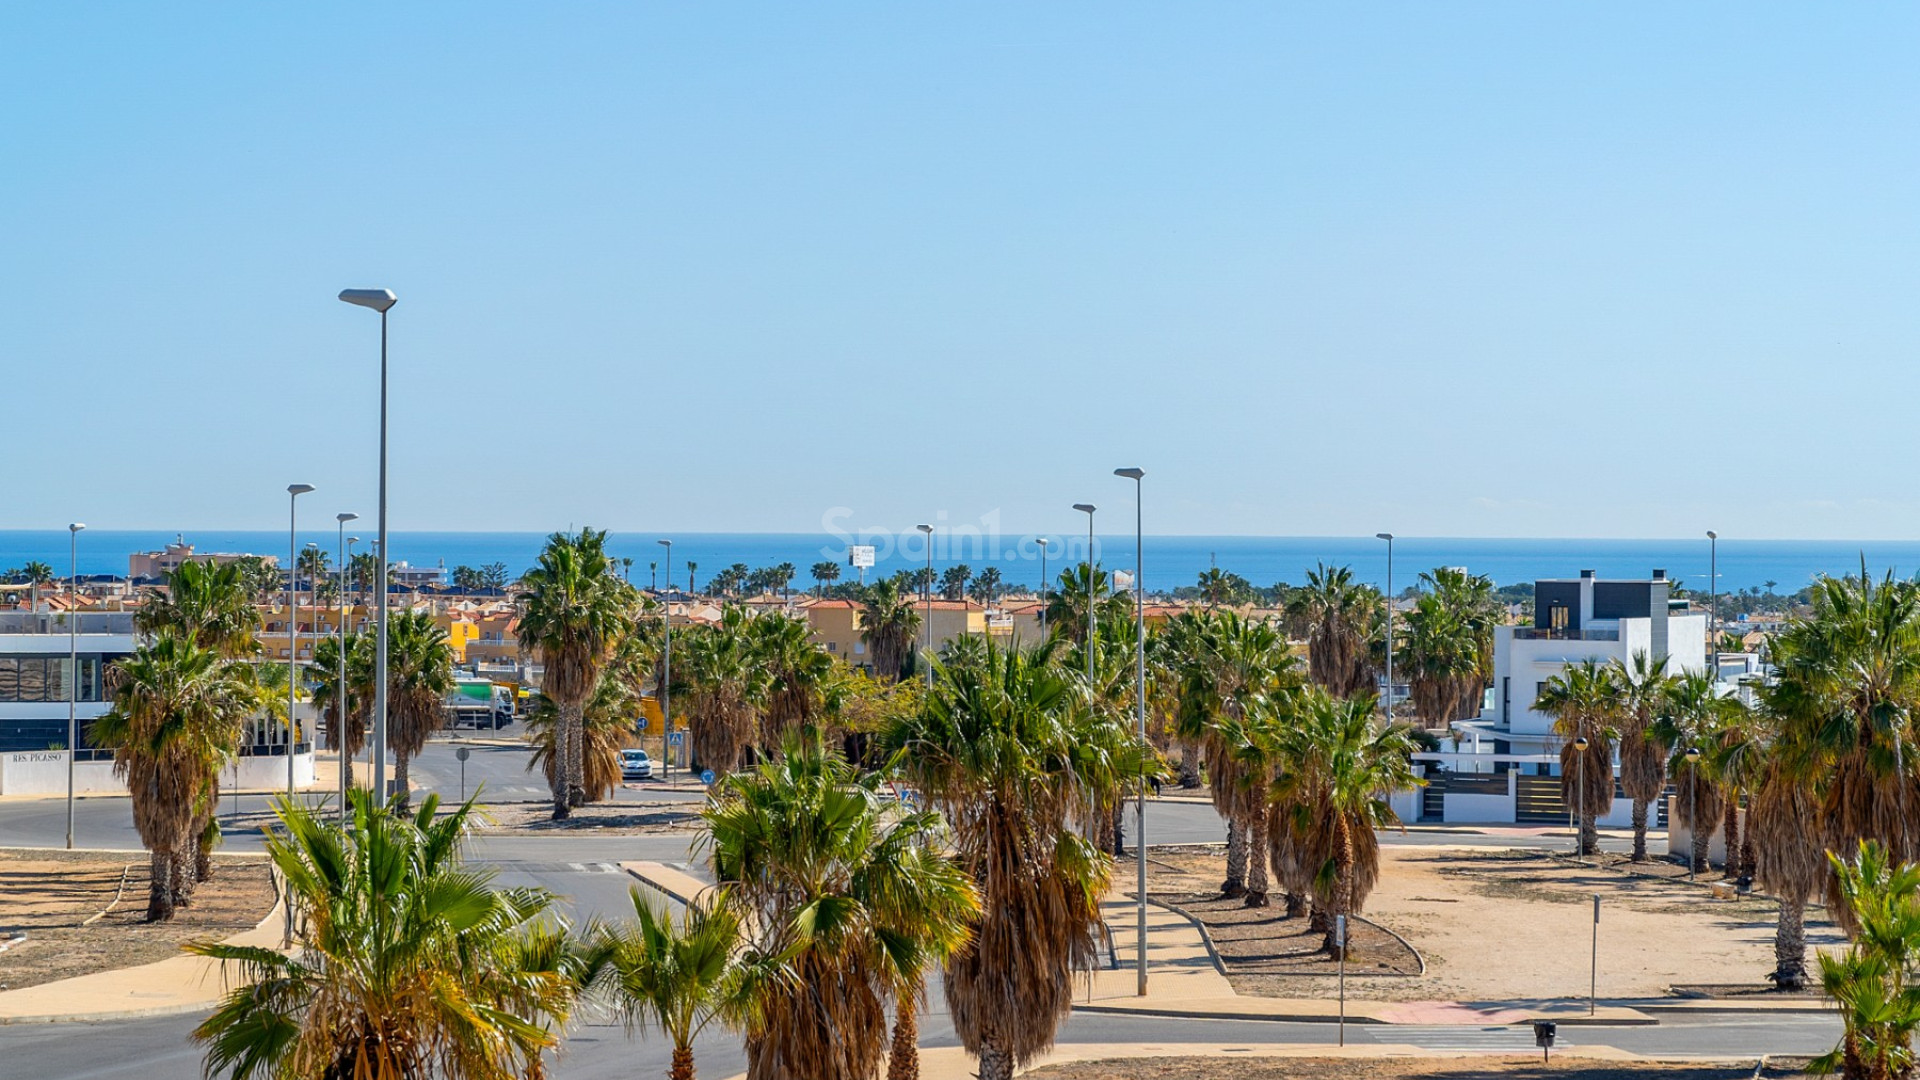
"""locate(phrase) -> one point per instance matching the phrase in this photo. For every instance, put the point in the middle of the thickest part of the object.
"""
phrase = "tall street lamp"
(380, 300)
(1140, 712)
(294, 491)
(1043, 588)
(339, 724)
(1388, 537)
(1092, 587)
(666, 671)
(73, 670)
(927, 631)
(1713, 600)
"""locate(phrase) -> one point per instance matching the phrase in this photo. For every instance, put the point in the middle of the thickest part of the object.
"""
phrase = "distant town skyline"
(1473, 271)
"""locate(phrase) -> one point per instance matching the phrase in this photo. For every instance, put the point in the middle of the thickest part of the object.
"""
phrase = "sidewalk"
(178, 984)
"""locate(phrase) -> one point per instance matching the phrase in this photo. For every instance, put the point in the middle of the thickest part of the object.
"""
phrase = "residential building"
(36, 678)
(156, 565)
(1575, 620)
(837, 628)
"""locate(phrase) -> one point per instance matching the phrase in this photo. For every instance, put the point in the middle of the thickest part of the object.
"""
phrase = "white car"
(635, 765)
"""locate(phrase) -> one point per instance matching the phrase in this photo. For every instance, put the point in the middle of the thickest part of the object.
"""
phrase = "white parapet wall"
(44, 772)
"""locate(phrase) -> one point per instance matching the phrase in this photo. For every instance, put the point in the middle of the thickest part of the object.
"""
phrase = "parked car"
(635, 765)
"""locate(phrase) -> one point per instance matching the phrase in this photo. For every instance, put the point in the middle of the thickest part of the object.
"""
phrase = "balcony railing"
(56, 622)
(1535, 633)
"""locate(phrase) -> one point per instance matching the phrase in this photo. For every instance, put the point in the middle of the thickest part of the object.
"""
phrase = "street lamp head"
(664, 543)
(75, 527)
(311, 546)
(1693, 754)
(299, 489)
(377, 299)
(352, 540)
(1131, 474)
(344, 518)
(1043, 542)
(1383, 536)
(928, 529)
(1085, 508)
(1711, 535)
(1581, 744)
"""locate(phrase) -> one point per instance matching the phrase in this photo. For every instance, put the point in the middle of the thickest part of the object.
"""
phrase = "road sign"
(860, 556)
(463, 752)
(676, 738)
(706, 776)
(640, 725)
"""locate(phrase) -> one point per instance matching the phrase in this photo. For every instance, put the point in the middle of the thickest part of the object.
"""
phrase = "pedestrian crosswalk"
(1499, 1039)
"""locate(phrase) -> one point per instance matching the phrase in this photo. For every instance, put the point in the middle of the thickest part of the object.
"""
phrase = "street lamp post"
(1092, 587)
(294, 491)
(666, 673)
(1140, 713)
(1388, 537)
(1043, 588)
(340, 693)
(1580, 794)
(927, 631)
(73, 669)
(380, 300)
(1713, 600)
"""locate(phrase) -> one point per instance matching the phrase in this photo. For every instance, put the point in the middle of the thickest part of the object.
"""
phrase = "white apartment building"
(1575, 620)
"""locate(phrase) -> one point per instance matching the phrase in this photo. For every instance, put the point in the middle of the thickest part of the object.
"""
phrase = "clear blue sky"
(1448, 269)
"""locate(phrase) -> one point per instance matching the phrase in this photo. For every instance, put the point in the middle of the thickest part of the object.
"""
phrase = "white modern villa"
(1503, 765)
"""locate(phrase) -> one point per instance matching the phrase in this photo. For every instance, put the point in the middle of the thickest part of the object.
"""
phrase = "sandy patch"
(1520, 1068)
(50, 894)
(1499, 924)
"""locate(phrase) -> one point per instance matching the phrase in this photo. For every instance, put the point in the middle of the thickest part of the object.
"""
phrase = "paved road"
(159, 1050)
(499, 772)
(579, 869)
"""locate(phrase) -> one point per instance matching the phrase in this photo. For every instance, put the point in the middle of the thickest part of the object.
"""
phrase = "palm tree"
(36, 574)
(419, 678)
(212, 603)
(1782, 820)
(682, 976)
(313, 565)
(344, 714)
(410, 962)
(1847, 690)
(1439, 656)
(1008, 752)
(1582, 700)
(1644, 687)
(986, 585)
(175, 718)
(798, 672)
(607, 728)
(727, 686)
(1219, 587)
(691, 567)
(1337, 616)
(890, 621)
(825, 572)
(1869, 982)
(575, 609)
(1067, 609)
(1340, 763)
(1242, 672)
(953, 581)
(848, 891)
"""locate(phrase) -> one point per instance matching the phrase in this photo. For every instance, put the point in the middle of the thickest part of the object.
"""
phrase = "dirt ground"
(1515, 1068)
(49, 894)
(1496, 924)
(603, 819)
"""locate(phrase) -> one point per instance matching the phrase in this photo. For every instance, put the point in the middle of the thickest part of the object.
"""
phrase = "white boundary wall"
(44, 772)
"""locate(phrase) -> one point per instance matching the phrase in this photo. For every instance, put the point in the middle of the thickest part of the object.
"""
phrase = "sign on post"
(1340, 941)
(706, 777)
(860, 556)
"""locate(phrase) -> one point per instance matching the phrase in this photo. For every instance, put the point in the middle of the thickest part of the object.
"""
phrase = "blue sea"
(1170, 560)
